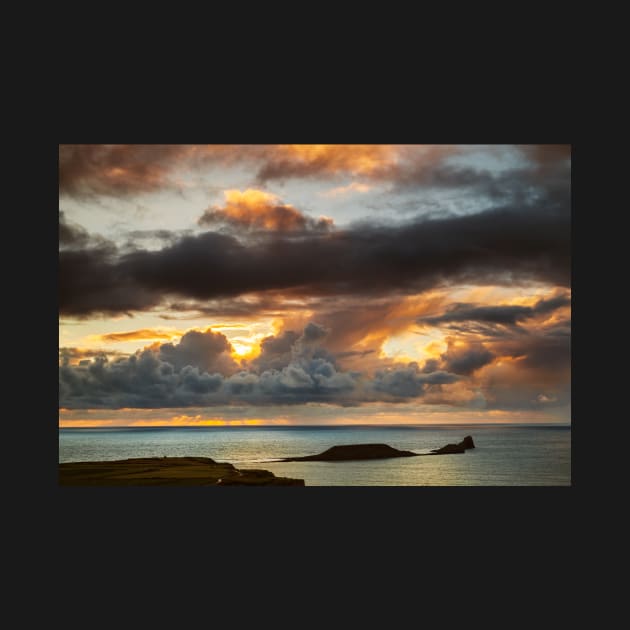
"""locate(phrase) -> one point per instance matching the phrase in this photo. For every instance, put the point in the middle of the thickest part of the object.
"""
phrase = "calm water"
(504, 455)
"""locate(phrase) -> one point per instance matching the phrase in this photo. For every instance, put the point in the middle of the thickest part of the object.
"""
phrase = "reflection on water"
(505, 454)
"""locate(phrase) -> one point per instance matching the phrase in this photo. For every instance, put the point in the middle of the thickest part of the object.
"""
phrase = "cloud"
(118, 170)
(506, 315)
(472, 216)
(529, 363)
(197, 371)
(503, 245)
(510, 385)
(133, 335)
(352, 187)
(69, 355)
(321, 160)
(313, 333)
(546, 353)
(71, 234)
(208, 351)
(259, 210)
(88, 267)
(301, 367)
(409, 381)
(466, 359)
(125, 170)
(275, 352)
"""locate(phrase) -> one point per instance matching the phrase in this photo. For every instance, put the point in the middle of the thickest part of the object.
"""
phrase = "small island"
(354, 452)
(166, 471)
(450, 449)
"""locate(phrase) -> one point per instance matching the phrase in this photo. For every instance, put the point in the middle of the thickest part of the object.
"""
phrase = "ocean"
(505, 455)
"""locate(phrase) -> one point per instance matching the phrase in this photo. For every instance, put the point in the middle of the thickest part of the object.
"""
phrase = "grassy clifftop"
(166, 471)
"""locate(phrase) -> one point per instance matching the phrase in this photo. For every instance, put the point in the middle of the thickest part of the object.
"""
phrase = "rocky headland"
(166, 471)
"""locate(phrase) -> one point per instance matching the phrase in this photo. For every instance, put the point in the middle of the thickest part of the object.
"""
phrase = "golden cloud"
(260, 210)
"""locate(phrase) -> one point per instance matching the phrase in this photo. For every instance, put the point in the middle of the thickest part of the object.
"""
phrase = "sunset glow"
(248, 285)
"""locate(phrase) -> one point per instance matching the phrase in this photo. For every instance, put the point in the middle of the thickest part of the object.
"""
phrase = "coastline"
(166, 471)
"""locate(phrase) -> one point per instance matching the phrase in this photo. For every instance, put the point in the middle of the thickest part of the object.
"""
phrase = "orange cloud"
(308, 159)
(359, 334)
(257, 209)
(144, 333)
(115, 169)
(121, 170)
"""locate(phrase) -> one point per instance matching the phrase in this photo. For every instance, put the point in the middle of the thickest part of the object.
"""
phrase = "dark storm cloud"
(509, 315)
(549, 305)
(409, 381)
(89, 270)
(468, 359)
(72, 234)
(275, 352)
(543, 352)
(186, 374)
(313, 332)
(91, 282)
(207, 351)
(492, 314)
(68, 354)
(431, 365)
(142, 381)
(248, 306)
(500, 245)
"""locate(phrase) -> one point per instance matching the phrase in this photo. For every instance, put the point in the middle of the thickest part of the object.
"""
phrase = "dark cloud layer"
(468, 359)
(409, 381)
(500, 245)
(68, 355)
(71, 234)
(509, 315)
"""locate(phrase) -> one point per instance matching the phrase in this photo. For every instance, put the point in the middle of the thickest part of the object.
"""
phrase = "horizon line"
(327, 426)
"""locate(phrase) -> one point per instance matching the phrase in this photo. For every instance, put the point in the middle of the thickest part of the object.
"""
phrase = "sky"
(314, 284)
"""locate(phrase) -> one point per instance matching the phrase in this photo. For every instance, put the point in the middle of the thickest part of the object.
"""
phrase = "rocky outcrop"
(449, 449)
(166, 471)
(468, 442)
(354, 452)
(349, 452)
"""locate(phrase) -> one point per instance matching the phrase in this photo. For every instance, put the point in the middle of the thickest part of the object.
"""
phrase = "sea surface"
(505, 455)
